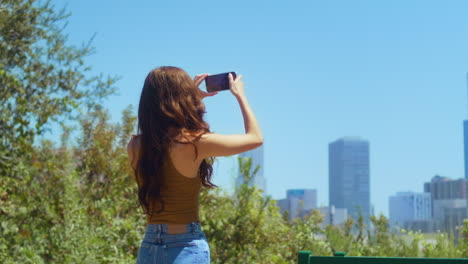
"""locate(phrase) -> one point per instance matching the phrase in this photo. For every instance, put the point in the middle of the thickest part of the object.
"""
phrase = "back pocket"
(182, 252)
(145, 253)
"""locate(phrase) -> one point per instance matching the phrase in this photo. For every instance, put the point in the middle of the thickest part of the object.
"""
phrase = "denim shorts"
(186, 248)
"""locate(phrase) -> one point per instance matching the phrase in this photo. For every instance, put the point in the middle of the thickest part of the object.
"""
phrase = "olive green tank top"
(180, 195)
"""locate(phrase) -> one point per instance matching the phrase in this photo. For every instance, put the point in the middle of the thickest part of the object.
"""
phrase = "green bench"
(305, 257)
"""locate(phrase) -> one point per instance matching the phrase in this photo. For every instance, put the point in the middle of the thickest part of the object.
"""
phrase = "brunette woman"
(172, 159)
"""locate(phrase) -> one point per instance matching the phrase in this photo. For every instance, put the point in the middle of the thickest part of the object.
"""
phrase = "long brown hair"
(169, 106)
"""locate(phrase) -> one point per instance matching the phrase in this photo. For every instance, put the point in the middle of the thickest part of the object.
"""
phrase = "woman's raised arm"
(214, 145)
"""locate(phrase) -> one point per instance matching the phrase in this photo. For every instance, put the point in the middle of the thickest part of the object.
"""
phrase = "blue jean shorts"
(186, 248)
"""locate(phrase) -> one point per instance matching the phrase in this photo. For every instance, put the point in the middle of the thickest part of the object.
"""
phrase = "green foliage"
(464, 239)
(72, 205)
(44, 207)
(42, 77)
(244, 228)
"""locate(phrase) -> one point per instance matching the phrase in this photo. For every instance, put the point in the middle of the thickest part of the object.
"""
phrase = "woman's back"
(180, 186)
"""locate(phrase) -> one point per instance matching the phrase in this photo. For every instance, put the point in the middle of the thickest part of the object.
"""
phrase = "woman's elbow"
(255, 141)
(258, 141)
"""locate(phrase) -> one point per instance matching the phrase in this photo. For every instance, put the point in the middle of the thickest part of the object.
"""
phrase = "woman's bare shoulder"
(133, 148)
(134, 141)
(187, 136)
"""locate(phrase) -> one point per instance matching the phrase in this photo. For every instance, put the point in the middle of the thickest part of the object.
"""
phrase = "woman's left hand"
(198, 80)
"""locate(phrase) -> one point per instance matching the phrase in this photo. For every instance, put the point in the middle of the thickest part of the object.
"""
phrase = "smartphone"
(218, 82)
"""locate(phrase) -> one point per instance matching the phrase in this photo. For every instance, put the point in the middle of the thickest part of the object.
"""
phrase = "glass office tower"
(349, 181)
(465, 137)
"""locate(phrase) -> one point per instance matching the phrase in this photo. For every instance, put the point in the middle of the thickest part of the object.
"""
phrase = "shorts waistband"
(193, 227)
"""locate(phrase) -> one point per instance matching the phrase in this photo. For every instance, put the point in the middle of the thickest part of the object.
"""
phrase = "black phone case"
(218, 82)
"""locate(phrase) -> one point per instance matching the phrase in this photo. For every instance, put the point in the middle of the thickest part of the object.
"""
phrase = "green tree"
(42, 77)
(59, 215)
(464, 239)
(241, 228)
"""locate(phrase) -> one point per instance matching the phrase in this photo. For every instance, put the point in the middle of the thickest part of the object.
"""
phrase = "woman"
(172, 159)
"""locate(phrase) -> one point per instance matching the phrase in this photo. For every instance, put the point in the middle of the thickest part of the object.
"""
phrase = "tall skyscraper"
(257, 160)
(465, 140)
(465, 137)
(349, 181)
(407, 207)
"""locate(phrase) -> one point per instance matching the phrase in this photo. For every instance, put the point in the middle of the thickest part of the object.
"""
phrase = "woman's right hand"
(217, 145)
(236, 86)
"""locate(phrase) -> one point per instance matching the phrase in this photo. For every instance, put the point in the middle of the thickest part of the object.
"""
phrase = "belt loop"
(192, 226)
(158, 234)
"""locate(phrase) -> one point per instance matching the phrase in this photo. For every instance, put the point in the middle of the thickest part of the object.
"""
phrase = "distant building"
(405, 207)
(449, 201)
(257, 160)
(465, 140)
(444, 188)
(440, 207)
(454, 217)
(298, 201)
(349, 180)
(283, 205)
(333, 216)
(423, 226)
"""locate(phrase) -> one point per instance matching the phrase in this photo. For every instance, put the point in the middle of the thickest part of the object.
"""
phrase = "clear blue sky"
(392, 72)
